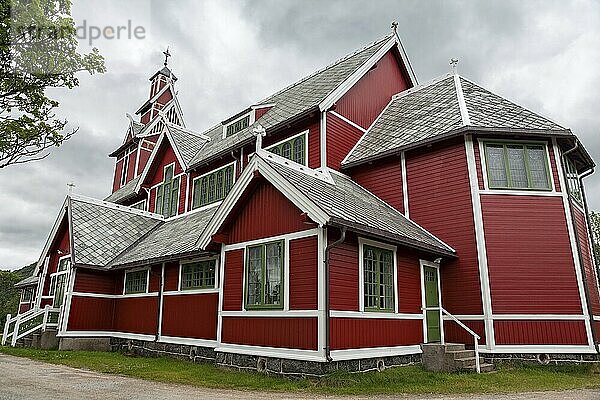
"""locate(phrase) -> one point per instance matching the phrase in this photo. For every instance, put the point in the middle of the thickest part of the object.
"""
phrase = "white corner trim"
(404, 184)
(322, 139)
(321, 317)
(464, 113)
(373, 352)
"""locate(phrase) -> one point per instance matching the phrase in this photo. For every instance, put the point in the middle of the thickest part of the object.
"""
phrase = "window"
(198, 275)
(212, 187)
(167, 194)
(58, 281)
(124, 169)
(27, 294)
(378, 266)
(573, 183)
(136, 281)
(517, 166)
(264, 276)
(237, 126)
(293, 149)
(140, 205)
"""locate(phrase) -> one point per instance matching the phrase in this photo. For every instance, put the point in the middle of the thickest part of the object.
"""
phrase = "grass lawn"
(395, 380)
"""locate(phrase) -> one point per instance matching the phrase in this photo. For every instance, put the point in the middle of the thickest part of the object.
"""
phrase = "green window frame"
(573, 183)
(237, 126)
(167, 194)
(264, 287)
(514, 165)
(136, 282)
(198, 275)
(213, 187)
(378, 273)
(293, 149)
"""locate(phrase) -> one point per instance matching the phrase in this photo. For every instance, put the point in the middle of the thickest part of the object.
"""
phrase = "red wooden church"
(345, 220)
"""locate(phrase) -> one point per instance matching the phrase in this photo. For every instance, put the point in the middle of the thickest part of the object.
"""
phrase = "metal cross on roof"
(70, 187)
(454, 64)
(167, 55)
(395, 26)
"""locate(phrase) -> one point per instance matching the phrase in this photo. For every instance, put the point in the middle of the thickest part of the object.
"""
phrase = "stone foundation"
(540, 359)
(84, 344)
(267, 365)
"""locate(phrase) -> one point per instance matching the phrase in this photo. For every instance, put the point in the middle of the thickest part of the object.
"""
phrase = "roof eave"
(160, 260)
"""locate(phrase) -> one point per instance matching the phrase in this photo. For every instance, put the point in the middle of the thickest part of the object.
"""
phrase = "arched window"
(299, 150)
(286, 150)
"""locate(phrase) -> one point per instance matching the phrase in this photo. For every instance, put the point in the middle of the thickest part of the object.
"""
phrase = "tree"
(595, 225)
(38, 50)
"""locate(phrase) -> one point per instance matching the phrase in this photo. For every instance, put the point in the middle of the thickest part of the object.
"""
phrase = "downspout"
(238, 160)
(327, 279)
(577, 242)
(161, 284)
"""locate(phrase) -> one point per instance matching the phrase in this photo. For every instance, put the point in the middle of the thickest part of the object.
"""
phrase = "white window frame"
(361, 273)
(33, 292)
(291, 138)
(54, 277)
(251, 113)
(531, 191)
(124, 170)
(147, 269)
(155, 187)
(195, 260)
(141, 201)
(234, 164)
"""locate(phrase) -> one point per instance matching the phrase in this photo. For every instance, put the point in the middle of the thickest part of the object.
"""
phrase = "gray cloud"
(229, 54)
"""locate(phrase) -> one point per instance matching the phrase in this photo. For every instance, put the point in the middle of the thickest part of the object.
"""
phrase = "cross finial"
(259, 132)
(167, 55)
(70, 187)
(454, 64)
(395, 26)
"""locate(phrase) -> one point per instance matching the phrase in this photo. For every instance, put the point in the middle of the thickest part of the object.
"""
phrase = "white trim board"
(373, 352)
(275, 352)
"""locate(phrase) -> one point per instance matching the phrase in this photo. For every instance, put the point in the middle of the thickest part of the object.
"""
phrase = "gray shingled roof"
(431, 110)
(187, 143)
(351, 205)
(100, 232)
(124, 192)
(173, 237)
(29, 281)
(292, 101)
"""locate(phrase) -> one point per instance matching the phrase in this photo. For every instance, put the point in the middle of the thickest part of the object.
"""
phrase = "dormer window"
(237, 126)
(213, 187)
(293, 148)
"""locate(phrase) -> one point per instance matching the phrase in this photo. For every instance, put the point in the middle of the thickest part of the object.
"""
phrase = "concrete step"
(455, 355)
(454, 347)
(462, 363)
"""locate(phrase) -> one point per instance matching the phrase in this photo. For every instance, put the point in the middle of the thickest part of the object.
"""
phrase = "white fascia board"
(406, 61)
(149, 163)
(55, 227)
(355, 77)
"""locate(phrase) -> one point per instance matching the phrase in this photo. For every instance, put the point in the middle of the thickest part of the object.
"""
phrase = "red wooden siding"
(409, 281)
(354, 333)
(144, 156)
(383, 179)
(453, 333)
(367, 98)
(24, 308)
(554, 168)
(90, 281)
(171, 277)
(529, 255)
(549, 332)
(165, 156)
(293, 333)
(303, 273)
(191, 315)
(343, 275)
(478, 165)
(439, 199)
(91, 314)
(259, 112)
(117, 177)
(255, 218)
(341, 138)
(314, 142)
(154, 281)
(131, 166)
(136, 315)
(232, 285)
(182, 193)
(588, 263)
(60, 244)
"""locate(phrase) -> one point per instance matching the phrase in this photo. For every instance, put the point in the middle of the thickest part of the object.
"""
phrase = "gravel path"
(24, 379)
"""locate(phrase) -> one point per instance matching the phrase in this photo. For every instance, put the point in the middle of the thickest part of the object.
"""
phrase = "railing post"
(45, 320)
(13, 341)
(477, 355)
(6, 325)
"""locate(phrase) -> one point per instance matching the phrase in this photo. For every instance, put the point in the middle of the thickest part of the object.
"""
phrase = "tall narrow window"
(264, 276)
(124, 169)
(517, 166)
(378, 265)
(136, 282)
(58, 281)
(167, 194)
(573, 183)
(212, 187)
(293, 149)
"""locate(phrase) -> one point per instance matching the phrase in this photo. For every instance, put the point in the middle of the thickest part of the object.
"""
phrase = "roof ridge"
(423, 85)
(114, 206)
(314, 173)
(333, 64)
(462, 104)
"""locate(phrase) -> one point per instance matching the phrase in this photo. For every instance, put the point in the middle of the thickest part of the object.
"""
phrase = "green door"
(432, 304)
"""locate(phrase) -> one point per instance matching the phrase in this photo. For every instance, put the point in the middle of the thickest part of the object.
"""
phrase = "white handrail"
(20, 319)
(476, 337)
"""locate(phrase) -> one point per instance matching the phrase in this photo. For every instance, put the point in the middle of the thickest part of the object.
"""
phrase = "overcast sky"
(544, 55)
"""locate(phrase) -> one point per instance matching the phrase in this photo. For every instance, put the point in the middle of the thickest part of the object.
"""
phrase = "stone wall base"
(268, 365)
(540, 359)
(85, 344)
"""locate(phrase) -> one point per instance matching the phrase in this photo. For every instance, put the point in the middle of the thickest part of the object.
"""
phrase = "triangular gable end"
(58, 224)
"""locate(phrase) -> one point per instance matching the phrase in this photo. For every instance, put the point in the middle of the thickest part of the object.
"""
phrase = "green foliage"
(38, 50)
(413, 379)
(9, 295)
(595, 225)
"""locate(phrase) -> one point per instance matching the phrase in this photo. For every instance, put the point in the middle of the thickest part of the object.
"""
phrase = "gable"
(165, 155)
(369, 96)
(261, 212)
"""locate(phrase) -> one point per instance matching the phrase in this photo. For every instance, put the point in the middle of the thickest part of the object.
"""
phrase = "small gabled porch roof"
(328, 198)
(29, 281)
